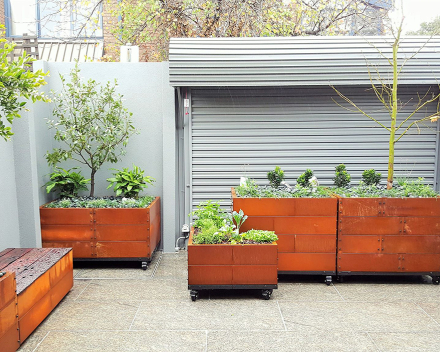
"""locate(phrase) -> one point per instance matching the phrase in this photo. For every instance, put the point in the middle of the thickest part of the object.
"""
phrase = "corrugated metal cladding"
(297, 61)
(249, 131)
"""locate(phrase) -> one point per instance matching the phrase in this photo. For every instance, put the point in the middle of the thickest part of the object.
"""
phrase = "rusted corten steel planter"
(306, 230)
(43, 278)
(103, 233)
(389, 236)
(9, 336)
(232, 266)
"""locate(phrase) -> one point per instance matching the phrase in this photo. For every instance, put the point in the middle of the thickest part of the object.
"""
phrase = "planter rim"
(234, 196)
(190, 243)
(149, 206)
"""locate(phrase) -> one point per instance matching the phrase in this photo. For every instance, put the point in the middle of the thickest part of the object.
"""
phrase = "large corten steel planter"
(306, 230)
(104, 233)
(232, 266)
(9, 337)
(389, 236)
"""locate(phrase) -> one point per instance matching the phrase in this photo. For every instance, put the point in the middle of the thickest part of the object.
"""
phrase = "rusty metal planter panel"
(306, 229)
(107, 233)
(389, 235)
(226, 264)
(9, 341)
(9, 335)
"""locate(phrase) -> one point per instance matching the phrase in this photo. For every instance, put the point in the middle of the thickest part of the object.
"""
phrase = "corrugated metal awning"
(298, 61)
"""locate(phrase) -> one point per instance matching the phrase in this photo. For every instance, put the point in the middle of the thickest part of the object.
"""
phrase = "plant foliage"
(91, 122)
(105, 202)
(129, 182)
(18, 84)
(342, 177)
(67, 182)
(275, 177)
(371, 177)
(304, 179)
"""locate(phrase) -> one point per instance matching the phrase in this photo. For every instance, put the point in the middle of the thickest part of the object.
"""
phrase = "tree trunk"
(92, 184)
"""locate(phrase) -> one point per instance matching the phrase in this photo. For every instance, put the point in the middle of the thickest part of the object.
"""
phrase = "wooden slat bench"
(35, 281)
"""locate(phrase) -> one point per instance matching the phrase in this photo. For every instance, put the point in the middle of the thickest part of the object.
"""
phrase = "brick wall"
(110, 21)
(2, 12)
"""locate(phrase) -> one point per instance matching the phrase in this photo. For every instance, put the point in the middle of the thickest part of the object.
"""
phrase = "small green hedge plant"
(304, 179)
(214, 226)
(129, 182)
(67, 182)
(371, 177)
(275, 177)
(342, 177)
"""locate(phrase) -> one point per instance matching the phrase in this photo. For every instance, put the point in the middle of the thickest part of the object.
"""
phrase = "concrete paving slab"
(124, 341)
(408, 342)
(32, 342)
(232, 315)
(92, 315)
(306, 292)
(109, 290)
(304, 339)
(421, 292)
(432, 309)
(357, 316)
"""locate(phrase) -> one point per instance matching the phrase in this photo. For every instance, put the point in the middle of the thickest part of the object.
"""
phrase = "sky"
(418, 11)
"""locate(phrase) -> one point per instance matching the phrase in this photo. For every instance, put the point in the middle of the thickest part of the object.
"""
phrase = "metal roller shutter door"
(247, 132)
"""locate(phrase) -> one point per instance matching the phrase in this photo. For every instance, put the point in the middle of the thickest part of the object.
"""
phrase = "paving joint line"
(424, 311)
(339, 293)
(39, 343)
(135, 315)
(206, 341)
(82, 291)
(282, 317)
(156, 266)
(374, 342)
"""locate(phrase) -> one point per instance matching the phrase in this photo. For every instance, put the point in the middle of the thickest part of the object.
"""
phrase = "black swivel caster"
(144, 265)
(265, 294)
(194, 295)
(435, 280)
(328, 280)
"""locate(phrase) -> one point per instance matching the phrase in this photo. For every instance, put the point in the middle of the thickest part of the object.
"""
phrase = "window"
(54, 18)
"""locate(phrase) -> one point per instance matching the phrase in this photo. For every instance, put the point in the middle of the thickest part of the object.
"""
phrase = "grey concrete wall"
(147, 95)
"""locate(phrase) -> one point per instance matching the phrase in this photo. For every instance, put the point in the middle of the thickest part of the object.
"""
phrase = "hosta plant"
(129, 182)
(67, 182)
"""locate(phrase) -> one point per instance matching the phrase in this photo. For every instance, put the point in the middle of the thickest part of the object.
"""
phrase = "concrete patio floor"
(127, 309)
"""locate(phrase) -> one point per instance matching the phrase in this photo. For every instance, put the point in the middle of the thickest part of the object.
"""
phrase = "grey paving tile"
(280, 341)
(116, 273)
(357, 316)
(115, 341)
(92, 315)
(408, 342)
(432, 309)
(78, 287)
(306, 292)
(417, 292)
(76, 272)
(109, 290)
(209, 315)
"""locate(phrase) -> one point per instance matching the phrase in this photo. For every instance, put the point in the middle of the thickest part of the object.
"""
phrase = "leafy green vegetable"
(129, 182)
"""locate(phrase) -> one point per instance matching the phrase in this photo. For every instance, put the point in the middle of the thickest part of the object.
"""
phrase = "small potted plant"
(220, 257)
(303, 216)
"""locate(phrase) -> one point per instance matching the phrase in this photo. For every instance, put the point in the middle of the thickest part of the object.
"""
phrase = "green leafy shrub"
(259, 236)
(209, 210)
(129, 182)
(275, 177)
(371, 177)
(105, 202)
(342, 177)
(67, 182)
(304, 179)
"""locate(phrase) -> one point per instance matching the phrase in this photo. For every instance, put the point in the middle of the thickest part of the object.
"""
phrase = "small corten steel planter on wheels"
(129, 234)
(306, 230)
(232, 266)
(389, 236)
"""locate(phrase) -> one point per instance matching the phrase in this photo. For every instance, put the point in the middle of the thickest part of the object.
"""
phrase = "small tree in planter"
(92, 123)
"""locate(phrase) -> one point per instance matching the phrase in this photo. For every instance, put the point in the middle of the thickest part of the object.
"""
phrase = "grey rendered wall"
(147, 95)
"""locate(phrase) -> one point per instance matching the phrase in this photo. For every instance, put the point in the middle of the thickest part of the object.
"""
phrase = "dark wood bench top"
(29, 263)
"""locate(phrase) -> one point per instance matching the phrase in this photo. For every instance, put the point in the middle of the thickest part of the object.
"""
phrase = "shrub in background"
(304, 179)
(275, 177)
(342, 177)
(371, 177)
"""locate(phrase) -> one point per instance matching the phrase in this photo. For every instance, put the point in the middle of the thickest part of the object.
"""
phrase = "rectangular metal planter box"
(9, 336)
(232, 266)
(101, 233)
(306, 230)
(389, 235)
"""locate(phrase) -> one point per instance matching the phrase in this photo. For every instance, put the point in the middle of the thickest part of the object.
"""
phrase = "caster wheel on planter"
(328, 280)
(194, 295)
(266, 294)
(435, 280)
(144, 265)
